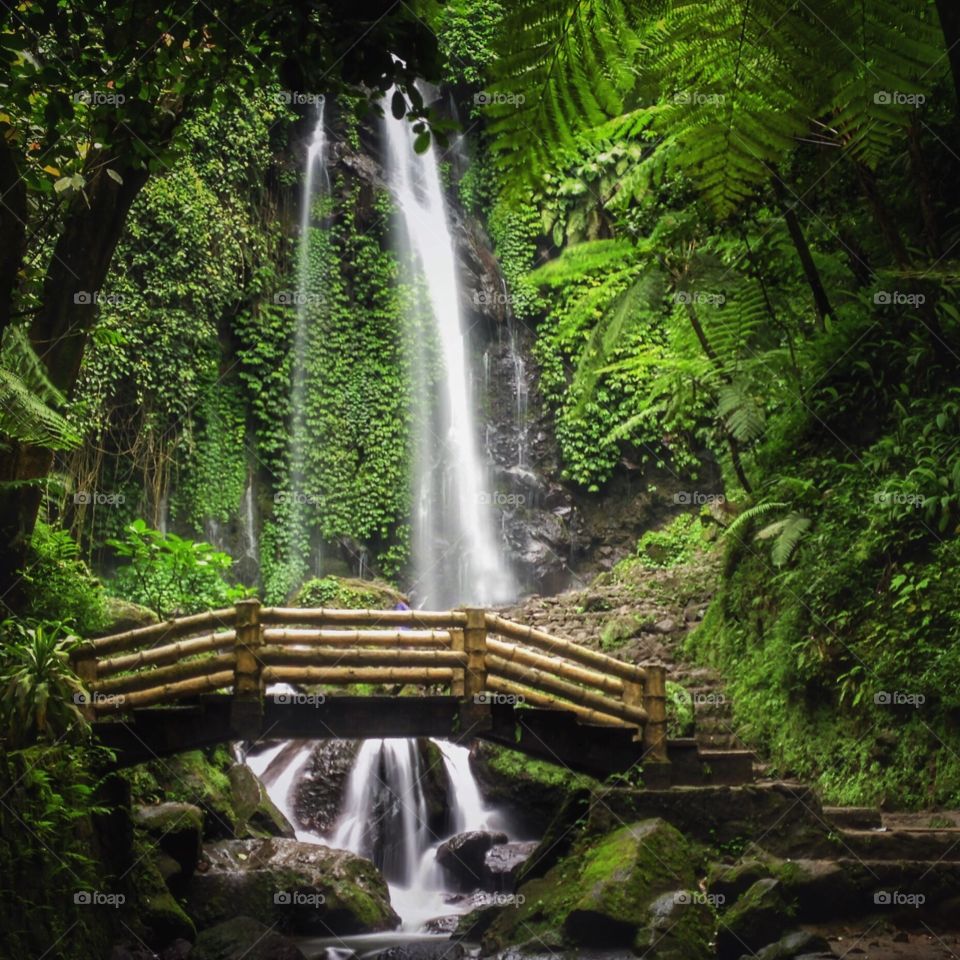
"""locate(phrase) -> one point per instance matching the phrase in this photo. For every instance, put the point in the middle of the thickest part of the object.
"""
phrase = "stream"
(384, 818)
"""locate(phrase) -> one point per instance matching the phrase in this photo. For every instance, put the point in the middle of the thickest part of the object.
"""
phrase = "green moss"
(347, 593)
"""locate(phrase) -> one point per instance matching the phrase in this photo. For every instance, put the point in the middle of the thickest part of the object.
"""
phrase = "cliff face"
(554, 534)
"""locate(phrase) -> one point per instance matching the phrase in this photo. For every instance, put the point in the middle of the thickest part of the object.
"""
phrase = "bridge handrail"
(248, 646)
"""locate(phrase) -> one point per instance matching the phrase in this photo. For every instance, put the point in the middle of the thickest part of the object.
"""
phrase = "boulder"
(244, 938)
(502, 863)
(194, 777)
(463, 857)
(605, 894)
(793, 945)
(158, 913)
(680, 926)
(176, 829)
(298, 887)
(121, 615)
(257, 815)
(757, 918)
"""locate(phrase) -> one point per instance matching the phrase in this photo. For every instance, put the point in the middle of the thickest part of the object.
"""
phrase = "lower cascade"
(386, 816)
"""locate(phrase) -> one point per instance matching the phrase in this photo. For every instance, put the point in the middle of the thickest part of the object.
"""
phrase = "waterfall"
(306, 298)
(456, 551)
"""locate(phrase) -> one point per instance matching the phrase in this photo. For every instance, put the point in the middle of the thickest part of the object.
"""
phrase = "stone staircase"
(648, 620)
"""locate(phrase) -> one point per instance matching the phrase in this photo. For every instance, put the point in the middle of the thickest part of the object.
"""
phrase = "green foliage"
(169, 574)
(39, 692)
(466, 30)
(680, 720)
(28, 399)
(50, 800)
(57, 584)
(674, 544)
(346, 593)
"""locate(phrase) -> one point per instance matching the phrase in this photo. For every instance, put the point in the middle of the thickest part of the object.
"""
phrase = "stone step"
(854, 818)
(894, 845)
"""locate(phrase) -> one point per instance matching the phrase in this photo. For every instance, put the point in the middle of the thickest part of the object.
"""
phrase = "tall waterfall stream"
(456, 552)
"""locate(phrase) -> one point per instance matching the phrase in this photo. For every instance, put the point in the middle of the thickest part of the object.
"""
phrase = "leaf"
(422, 142)
(113, 175)
(64, 183)
(398, 105)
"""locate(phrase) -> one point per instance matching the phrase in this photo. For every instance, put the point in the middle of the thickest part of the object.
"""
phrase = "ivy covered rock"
(120, 615)
(608, 893)
(298, 887)
(348, 593)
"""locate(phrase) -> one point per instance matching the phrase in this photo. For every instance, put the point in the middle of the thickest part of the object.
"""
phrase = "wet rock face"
(503, 861)
(318, 797)
(463, 857)
(244, 937)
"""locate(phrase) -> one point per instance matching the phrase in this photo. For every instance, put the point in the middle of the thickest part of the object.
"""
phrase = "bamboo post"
(475, 714)
(655, 702)
(246, 709)
(85, 667)
(458, 684)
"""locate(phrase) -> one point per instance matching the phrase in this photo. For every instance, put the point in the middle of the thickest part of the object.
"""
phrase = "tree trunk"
(59, 333)
(821, 301)
(13, 230)
(949, 11)
(921, 173)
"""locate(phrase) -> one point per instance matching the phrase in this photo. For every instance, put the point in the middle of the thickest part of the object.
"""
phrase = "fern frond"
(786, 535)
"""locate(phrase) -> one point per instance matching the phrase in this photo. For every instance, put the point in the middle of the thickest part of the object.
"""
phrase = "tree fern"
(27, 397)
(786, 535)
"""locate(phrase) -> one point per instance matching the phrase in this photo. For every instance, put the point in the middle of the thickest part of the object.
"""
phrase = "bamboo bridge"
(251, 672)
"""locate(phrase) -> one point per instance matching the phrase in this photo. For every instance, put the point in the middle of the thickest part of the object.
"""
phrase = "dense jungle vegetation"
(730, 226)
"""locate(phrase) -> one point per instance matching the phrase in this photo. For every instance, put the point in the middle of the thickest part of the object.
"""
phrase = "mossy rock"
(257, 815)
(759, 917)
(244, 938)
(618, 630)
(727, 882)
(532, 790)
(198, 778)
(602, 894)
(297, 887)
(347, 593)
(120, 615)
(175, 828)
(680, 926)
(154, 907)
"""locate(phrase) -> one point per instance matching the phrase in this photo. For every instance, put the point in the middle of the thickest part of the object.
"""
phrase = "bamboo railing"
(481, 657)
